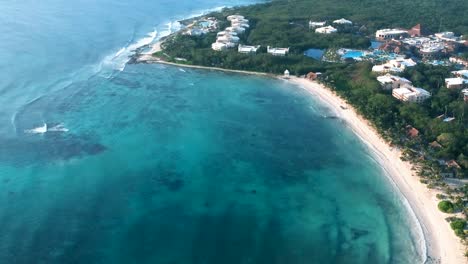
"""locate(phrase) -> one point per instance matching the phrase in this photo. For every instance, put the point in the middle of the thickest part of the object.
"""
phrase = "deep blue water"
(156, 164)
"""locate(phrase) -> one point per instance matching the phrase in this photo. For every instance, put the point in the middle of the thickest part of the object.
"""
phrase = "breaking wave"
(118, 60)
(37, 130)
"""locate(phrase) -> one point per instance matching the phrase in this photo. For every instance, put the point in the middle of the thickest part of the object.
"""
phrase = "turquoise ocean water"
(156, 164)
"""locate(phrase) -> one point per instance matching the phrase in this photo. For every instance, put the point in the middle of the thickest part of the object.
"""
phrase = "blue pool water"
(314, 53)
(353, 54)
(375, 44)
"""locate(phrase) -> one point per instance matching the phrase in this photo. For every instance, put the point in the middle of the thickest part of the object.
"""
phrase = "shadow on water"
(48, 147)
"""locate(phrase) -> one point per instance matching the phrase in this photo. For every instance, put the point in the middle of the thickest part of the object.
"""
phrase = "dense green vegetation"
(198, 52)
(458, 226)
(358, 85)
(445, 206)
(285, 23)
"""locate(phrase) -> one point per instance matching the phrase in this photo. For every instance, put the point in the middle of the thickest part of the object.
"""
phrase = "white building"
(465, 94)
(325, 30)
(432, 47)
(240, 24)
(397, 65)
(313, 24)
(247, 49)
(238, 30)
(458, 61)
(228, 38)
(416, 41)
(389, 82)
(384, 68)
(218, 46)
(278, 51)
(461, 73)
(226, 33)
(390, 33)
(411, 94)
(343, 21)
(449, 36)
(235, 17)
(456, 83)
(400, 62)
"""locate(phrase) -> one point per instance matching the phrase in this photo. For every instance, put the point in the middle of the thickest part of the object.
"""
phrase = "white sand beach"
(440, 239)
(148, 55)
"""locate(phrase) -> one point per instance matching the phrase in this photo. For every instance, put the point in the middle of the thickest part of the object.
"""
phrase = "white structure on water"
(326, 30)
(342, 21)
(247, 49)
(411, 94)
(278, 51)
(388, 33)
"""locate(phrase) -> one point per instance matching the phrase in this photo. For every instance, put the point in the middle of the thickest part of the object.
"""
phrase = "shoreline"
(441, 243)
(147, 58)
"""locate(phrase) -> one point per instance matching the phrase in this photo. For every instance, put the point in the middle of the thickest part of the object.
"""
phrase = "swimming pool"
(314, 53)
(353, 54)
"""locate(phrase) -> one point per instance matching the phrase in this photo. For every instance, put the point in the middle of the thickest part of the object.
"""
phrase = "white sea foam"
(118, 60)
(58, 128)
(418, 226)
(37, 130)
(45, 128)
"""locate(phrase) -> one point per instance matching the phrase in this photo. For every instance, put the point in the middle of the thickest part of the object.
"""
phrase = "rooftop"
(462, 73)
(342, 21)
(391, 78)
(409, 90)
(455, 81)
(392, 31)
